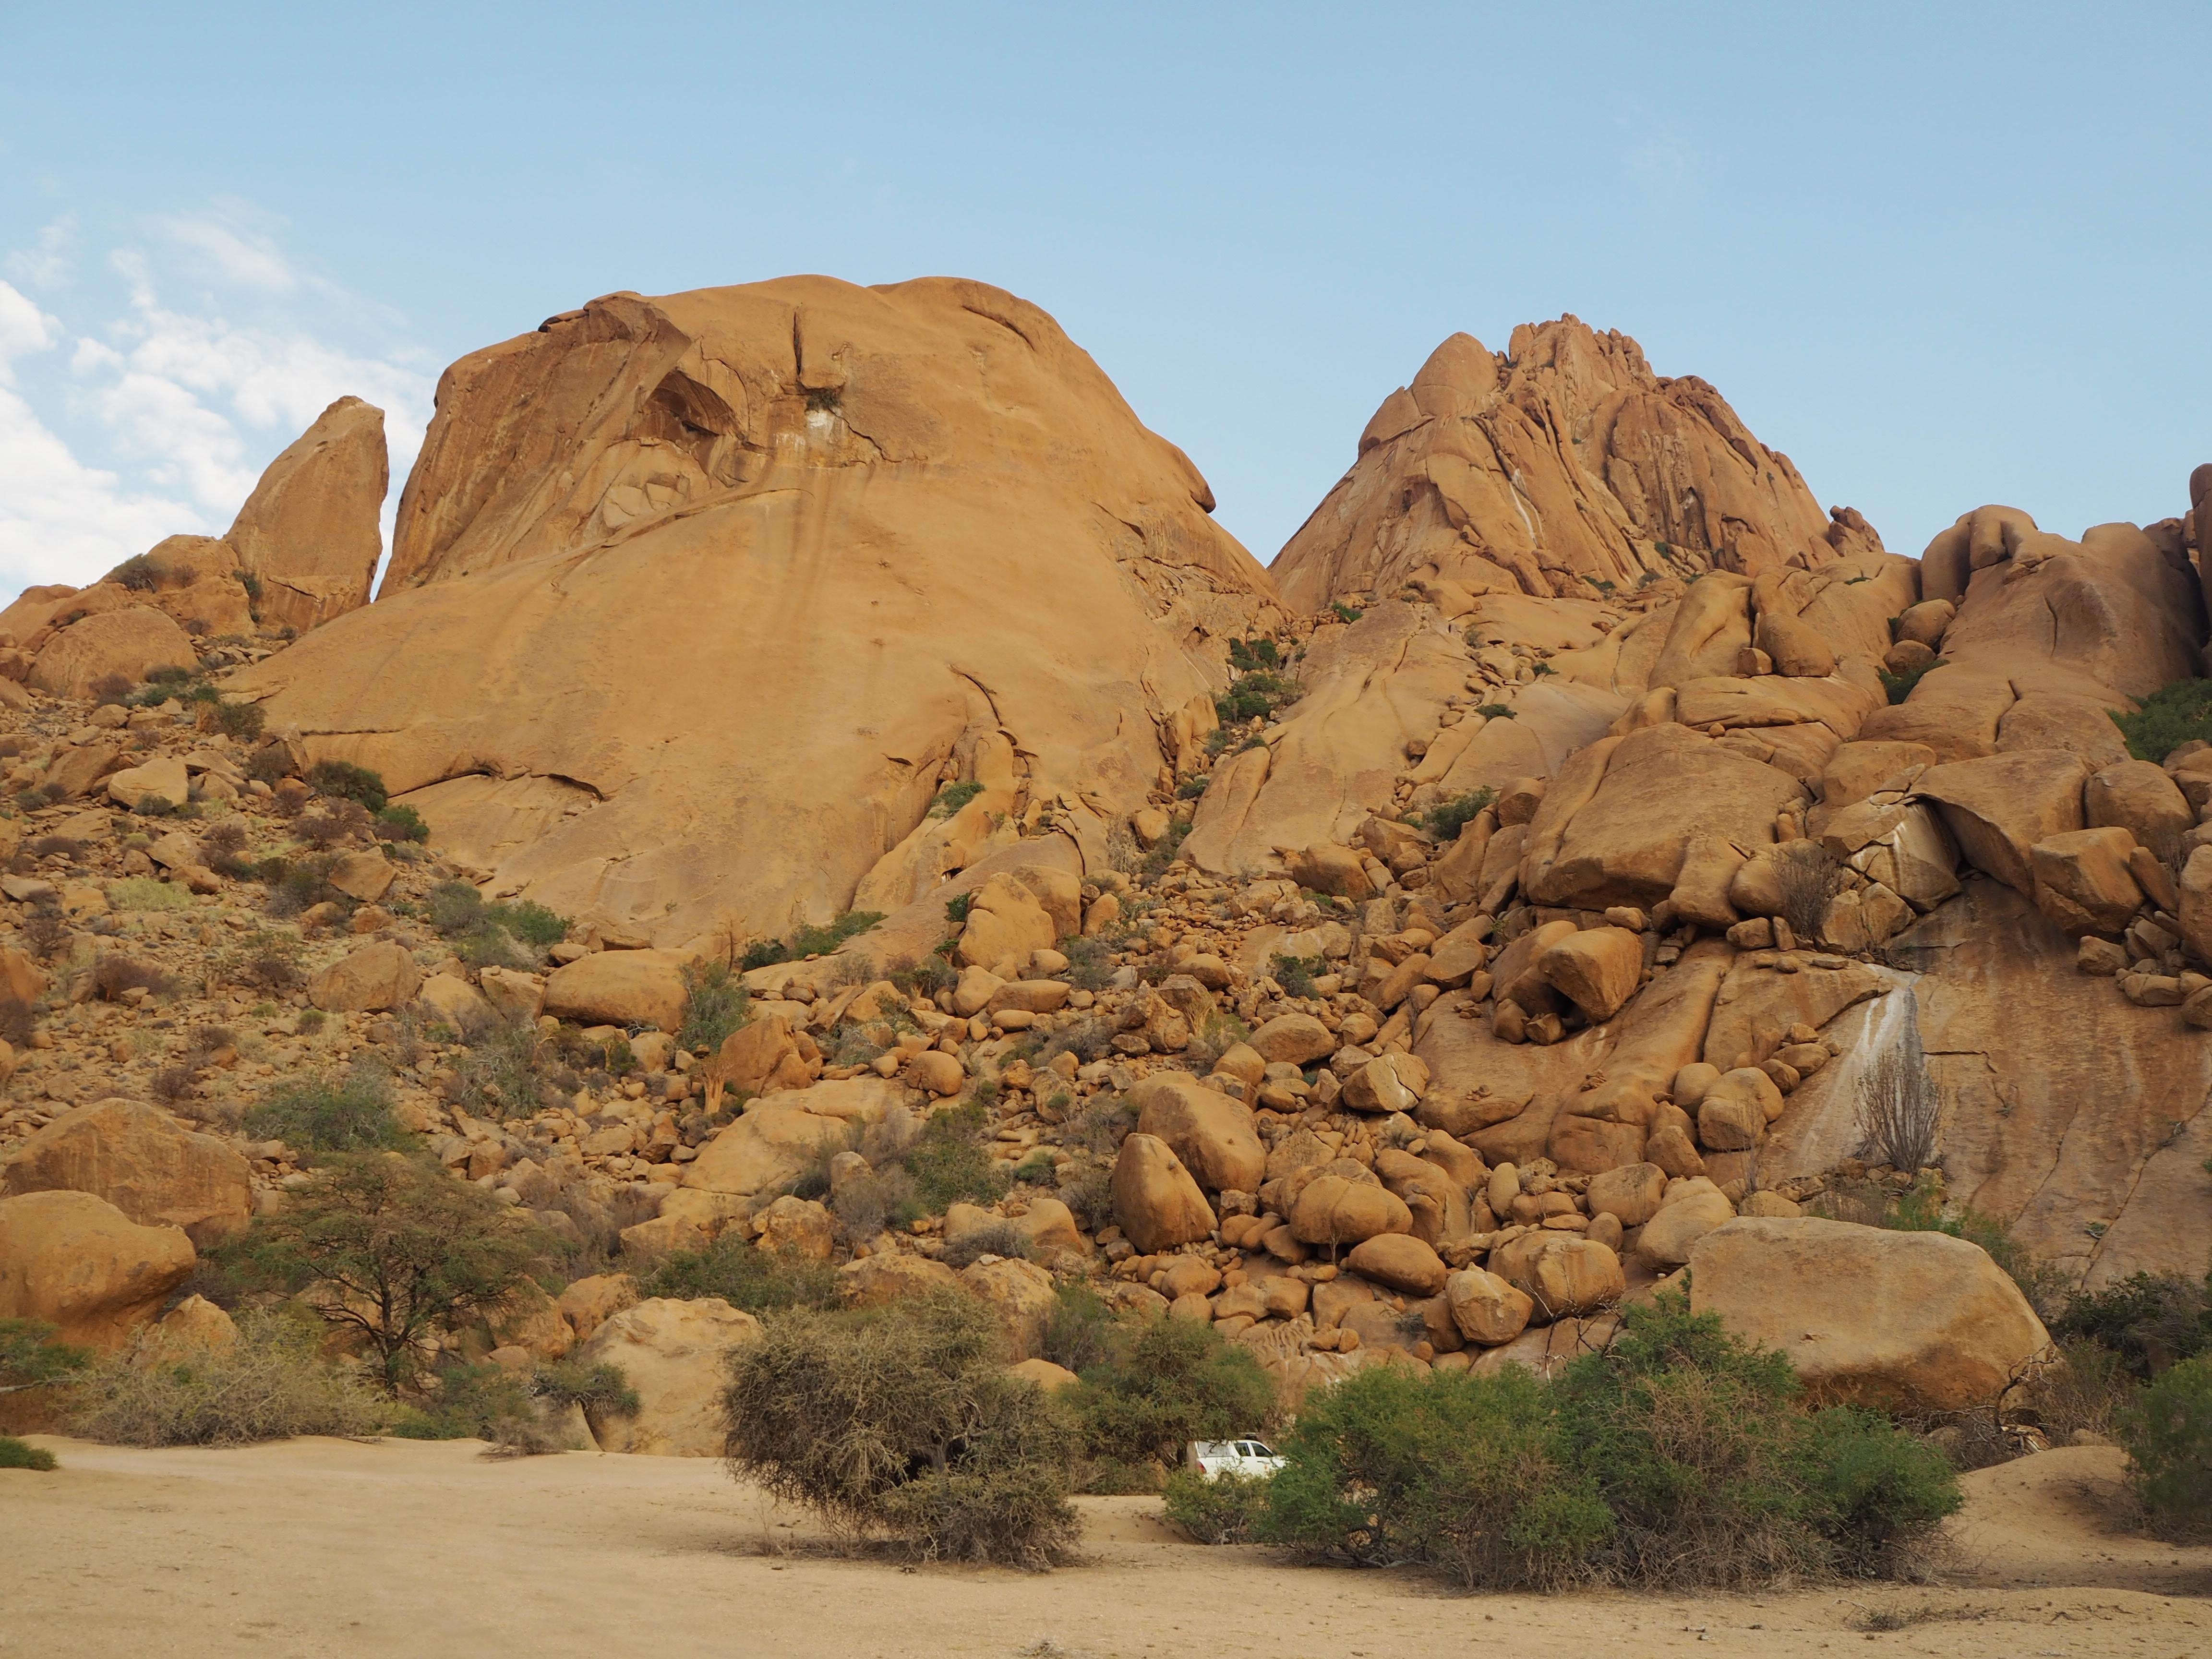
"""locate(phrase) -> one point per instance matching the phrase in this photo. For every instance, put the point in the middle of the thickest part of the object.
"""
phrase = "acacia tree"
(402, 1248)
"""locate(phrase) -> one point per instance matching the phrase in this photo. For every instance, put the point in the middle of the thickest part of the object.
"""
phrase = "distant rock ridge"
(1565, 468)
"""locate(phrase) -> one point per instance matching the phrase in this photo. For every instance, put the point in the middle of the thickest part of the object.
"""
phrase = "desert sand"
(334, 1547)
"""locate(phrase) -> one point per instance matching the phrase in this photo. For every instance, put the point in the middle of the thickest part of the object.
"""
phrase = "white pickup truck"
(1249, 1458)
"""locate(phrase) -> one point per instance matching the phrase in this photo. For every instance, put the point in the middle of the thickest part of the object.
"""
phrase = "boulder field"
(1510, 898)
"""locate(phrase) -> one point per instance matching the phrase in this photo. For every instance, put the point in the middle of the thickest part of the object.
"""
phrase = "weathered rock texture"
(696, 601)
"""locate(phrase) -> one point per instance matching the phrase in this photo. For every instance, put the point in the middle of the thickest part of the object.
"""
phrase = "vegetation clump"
(954, 796)
(347, 781)
(1678, 1457)
(809, 941)
(393, 1248)
(714, 1004)
(744, 1275)
(353, 1113)
(268, 1384)
(2168, 1435)
(1447, 817)
(903, 1421)
(1161, 1385)
(950, 1161)
(492, 935)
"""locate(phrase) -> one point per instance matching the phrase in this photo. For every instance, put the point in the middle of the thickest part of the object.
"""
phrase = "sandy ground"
(334, 1547)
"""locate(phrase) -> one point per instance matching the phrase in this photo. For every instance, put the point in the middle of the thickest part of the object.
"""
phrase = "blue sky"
(1940, 255)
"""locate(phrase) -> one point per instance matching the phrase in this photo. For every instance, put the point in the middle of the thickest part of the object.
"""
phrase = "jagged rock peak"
(1564, 468)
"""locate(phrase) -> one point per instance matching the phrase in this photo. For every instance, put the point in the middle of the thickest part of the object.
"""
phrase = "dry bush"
(16, 1019)
(114, 974)
(334, 823)
(172, 1085)
(992, 1238)
(267, 1386)
(1809, 879)
(1901, 1109)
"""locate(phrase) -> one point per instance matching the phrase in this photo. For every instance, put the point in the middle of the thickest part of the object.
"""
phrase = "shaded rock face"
(309, 532)
(695, 602)
(1563, 463)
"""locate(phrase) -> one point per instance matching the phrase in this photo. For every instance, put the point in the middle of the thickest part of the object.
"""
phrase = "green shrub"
(803, 942)
(1222, 1511)
(1452, 1471)
(1345, 613)
(1716, 1473)
(354, 1114)
(1081, 1330)
(1678, 1457)
(2150, 1320)
(138, 572)
(30, 1358)
(603, 1387)
(510, 1070)
(903, 1419)
(1089, 964)
(405, 1248)
(950, 1161)
(462, 1401)
(348, 781)
(397, 823)
(866, 1204)
(1899, 683)
(741, 1275)
(494, 935)
(1255, 695)
(242, 720)
(1000, 1238)
(714, 1006)
(954, 796)
(2171, 716)
(2168, 1435)
(1166, 1383)
(1253, 656)
(270, 1384)
(1446, 818)
(1877, 1494)
(1296, 974)
(20, 1455)
(932, 976)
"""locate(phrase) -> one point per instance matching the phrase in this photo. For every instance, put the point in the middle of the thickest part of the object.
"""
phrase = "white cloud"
(172, 412)
(48, 263)
(241, 257)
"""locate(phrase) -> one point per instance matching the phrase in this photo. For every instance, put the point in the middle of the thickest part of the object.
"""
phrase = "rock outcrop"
(310, 533)
(696, 603)
(1563, 465)
(142, 1161)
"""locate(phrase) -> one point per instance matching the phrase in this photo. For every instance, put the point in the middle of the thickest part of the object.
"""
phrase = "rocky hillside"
(1414, 964)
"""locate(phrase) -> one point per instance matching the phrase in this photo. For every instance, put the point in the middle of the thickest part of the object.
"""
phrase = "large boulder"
(80, 1265)
(2138, 796)
(774, 1143)
(1156, 1203)
(1616, 826)
(878, 1281)
(1215, 1137)
(1998, 806)
(142, 1161)
(1562, 1274)
(375, 977)
(1005, 922)
(1895, 1320)
(1399, 1261)
(2082, 882)
(676, 1356)
(310, 530)
(1696, 1208)
(1487, 1310)
(1596, 970)
(1335, 1209)
(1294, 1040)
(127, 644)
(165, 778)
(1020, 1294)
(620, 988)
